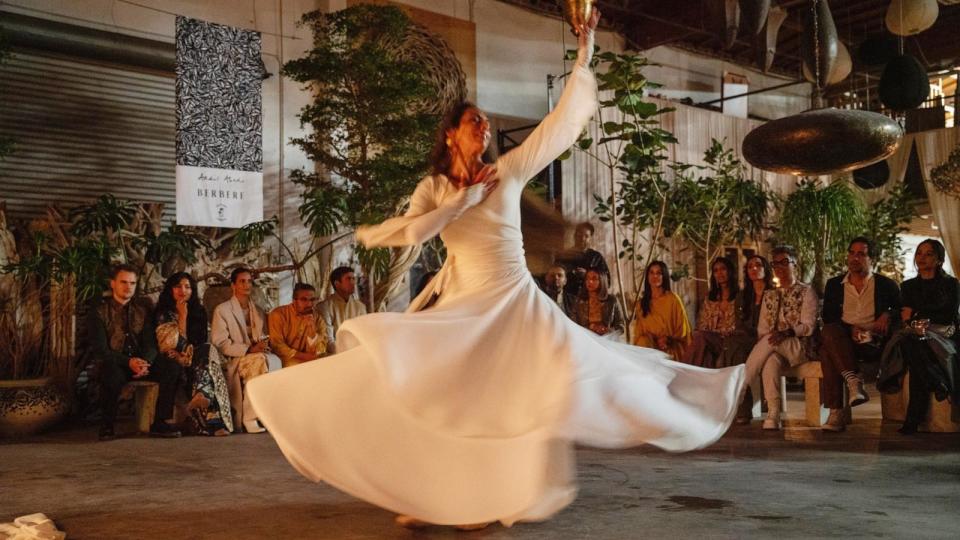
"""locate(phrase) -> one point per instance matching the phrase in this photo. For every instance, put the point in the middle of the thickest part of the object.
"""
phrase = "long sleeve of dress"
(424, 218)
(559, 129)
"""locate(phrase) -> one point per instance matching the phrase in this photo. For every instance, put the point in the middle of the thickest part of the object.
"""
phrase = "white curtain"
(933, 148)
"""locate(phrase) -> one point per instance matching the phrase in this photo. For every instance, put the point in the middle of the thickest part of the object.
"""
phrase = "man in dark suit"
(122, 338)
(860, 310)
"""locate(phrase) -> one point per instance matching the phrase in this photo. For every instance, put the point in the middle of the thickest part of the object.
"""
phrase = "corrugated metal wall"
(82, 129)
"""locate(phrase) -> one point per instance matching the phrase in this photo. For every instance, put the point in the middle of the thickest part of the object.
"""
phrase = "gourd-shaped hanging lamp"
(753, 15)
(819, 45)
(723, 17)
(841, 69)
(909, 17)
(904, 83)
(768, 50)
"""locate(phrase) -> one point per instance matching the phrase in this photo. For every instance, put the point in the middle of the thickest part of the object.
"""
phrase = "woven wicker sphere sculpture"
(443, 70)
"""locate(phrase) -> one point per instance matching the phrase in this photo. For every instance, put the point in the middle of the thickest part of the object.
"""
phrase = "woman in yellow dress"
(661, 322)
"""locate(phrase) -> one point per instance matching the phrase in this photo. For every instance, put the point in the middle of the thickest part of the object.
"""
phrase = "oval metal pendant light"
(822, 141)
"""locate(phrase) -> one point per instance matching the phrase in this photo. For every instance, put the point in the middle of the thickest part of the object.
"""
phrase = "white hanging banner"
(219, 125)
(210, 197)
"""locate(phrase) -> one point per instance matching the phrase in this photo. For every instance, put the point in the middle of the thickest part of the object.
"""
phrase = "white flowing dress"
(466, 411)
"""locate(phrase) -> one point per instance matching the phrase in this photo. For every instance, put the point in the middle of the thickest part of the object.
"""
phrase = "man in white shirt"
(860, 310)
(341, 305)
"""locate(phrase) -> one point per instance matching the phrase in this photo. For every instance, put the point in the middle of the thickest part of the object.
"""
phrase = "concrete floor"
(800, 483)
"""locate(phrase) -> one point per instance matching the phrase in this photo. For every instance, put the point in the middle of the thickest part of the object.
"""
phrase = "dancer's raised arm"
(561, 128)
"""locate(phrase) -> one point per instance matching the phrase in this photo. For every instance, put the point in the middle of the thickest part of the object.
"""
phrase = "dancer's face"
(720, 274)
(182, 291)
(655, 277)
(755, 270)
(472, 135)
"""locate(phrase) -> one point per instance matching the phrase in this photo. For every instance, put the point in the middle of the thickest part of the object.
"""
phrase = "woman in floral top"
(788, 317)
(717, 326)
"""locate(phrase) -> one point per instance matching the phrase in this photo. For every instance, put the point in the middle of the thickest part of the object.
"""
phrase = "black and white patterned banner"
(219, 125)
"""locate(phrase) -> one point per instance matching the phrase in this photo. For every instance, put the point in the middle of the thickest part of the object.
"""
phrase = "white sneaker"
(253, 426)
(835, 422)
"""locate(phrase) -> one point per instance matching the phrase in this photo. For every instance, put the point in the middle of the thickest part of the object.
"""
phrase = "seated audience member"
(719, 340)
(340, 305)
(297, 334)
(238, 331)
(181, 324)
(122, 340)
(757, 279)
(788, 318)
(554, 284)
(858, 315)
(661, 321)
(582, 256)
(596, 309)
(926, 347)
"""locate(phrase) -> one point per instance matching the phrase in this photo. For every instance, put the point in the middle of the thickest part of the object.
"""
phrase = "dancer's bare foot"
(408, 522)
(472, 526)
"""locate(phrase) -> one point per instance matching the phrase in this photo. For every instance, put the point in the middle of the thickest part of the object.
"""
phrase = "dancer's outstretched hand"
(589, 27)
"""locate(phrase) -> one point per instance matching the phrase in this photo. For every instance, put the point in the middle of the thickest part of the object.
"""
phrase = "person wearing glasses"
(297, 332)
(788, 316)
(860, 308)
(927, 345)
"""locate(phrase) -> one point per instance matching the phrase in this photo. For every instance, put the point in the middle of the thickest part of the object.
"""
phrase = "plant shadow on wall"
(707, 206)
(372, 121)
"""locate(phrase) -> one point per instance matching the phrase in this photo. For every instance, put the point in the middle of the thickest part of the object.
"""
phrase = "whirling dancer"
(465, 411)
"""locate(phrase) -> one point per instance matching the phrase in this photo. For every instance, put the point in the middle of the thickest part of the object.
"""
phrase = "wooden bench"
(145, 394)
(811, 372)
(893, 408)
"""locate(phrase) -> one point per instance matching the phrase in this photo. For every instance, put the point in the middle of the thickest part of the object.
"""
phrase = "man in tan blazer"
(239, 330)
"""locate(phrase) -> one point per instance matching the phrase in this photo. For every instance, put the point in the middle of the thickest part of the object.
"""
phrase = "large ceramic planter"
(29, 406)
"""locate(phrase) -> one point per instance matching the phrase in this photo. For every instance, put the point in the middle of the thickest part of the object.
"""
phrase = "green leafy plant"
(886, 220)
(819, 222)
(632, 154)
(946, 176)
(371, 129)
(715, 205)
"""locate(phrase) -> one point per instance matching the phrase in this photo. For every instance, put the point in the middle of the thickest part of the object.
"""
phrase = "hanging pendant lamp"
(819, 45)
(904, 83)
(822, 141)
(841, 68)
(909, 17)
(753, 15)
